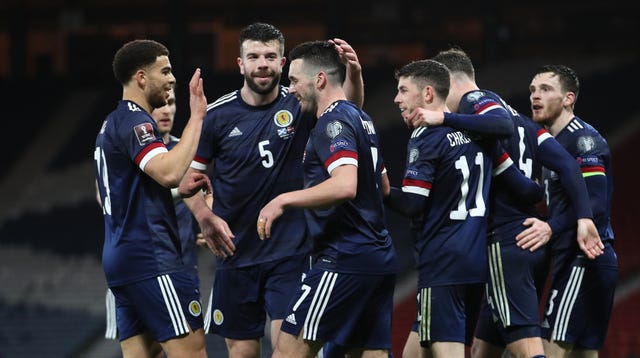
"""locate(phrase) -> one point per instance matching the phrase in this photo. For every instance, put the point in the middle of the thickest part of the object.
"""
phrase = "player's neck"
(137, 98)
(558, 125)
(252, 98)
(328, 98)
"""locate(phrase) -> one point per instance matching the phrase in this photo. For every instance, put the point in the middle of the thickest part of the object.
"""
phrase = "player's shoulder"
(223, 101)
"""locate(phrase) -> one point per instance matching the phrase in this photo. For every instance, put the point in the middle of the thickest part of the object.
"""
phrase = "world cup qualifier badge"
(144, 133)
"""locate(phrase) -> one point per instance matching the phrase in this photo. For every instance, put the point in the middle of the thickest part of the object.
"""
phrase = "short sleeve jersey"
(257, 154)
(350, 237)
(592, 153)
(141, 234)
(454, 172)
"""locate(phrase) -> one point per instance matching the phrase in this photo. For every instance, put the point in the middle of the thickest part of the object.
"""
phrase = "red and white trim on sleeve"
(148, 152)
(419, 187)
(488, 107)
(199, 163)
(543, 135)
(501, 164)
(343, 157)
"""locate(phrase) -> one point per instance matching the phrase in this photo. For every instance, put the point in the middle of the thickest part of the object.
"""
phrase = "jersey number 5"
(265, 153)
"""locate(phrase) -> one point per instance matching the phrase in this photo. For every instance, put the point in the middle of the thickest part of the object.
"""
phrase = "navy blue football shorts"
(581, 298)
(350, 310)
(516, 282)
(242, 297)
(167, 306)
(449, 313)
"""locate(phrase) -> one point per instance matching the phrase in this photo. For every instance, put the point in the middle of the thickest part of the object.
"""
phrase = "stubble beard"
(262, 90)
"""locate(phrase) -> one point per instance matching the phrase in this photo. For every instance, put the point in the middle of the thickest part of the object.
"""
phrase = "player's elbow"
(346, 191)
(169, 180)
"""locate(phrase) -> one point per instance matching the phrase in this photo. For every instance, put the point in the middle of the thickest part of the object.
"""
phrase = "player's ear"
(239, 61)
(141, 78)
(569, 99)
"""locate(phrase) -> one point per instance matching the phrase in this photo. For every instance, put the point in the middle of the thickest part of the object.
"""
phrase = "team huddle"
(288, 188)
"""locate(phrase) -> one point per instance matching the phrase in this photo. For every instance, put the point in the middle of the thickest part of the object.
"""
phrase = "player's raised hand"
(267, 216)
(348, 55)
(589, 239)
(535, 236)
(197, 99)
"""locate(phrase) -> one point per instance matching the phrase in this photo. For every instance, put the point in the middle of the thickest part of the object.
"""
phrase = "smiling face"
(261, 64)
(547, 98)
(159, 82)
(409, 97)
(302, 85)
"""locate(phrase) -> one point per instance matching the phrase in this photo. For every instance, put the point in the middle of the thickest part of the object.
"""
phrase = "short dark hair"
(566, 76)
(427, 73)
(134, 55)
(260, 31)
(456, 60)
(321, 54)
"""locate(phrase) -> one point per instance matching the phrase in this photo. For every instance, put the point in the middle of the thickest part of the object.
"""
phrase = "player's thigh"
(329, 306)
(190, 345)
(237, 306)
(167, 306)
(449, 313)
(281, 278)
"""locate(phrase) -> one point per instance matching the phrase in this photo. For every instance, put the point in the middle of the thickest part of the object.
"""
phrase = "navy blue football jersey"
(141, 233)
(455, 173)
(530, 147)
(350, 237)
(187, 226)
(257, 154)
(592, 153)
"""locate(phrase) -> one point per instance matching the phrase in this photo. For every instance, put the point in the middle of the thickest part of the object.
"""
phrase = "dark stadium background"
(56, 87)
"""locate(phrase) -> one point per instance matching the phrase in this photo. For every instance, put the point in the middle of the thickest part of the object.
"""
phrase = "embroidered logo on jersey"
(286, 133)
(133, 107)
(585, 144)
(144, 133)
(588, 160)
(235, 132)
(414, 154)
(194, 308)
(218, 317)
(474, 96)
(339, 144)
(334, 129)
(292, 319)
(283, 118)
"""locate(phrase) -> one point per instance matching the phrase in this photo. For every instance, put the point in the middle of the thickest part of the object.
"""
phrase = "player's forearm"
(354, 87)
(340, 187)
(407, 204)
(556, 158)
(169, 168)
(493, 125)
